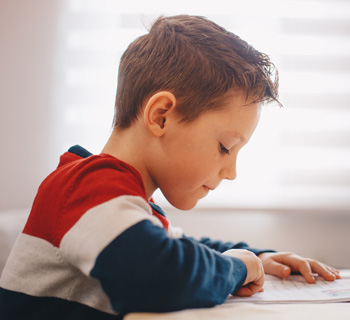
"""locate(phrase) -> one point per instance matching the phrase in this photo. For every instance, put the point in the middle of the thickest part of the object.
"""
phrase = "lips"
(207, 188)
(211, 188)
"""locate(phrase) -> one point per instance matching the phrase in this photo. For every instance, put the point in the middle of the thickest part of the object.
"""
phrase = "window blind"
(299, 156)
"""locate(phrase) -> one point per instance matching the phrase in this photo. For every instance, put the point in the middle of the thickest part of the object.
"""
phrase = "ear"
(157, 110)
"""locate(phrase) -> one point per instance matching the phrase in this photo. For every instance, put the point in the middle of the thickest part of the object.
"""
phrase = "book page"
(295, 289)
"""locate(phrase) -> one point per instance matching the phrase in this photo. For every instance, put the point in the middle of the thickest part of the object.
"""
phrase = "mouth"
(206, 188)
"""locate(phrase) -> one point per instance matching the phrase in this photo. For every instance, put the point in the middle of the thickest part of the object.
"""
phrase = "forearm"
(144, 270)
(224, 246)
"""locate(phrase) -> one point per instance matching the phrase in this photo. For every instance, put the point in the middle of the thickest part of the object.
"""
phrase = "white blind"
(299, 155)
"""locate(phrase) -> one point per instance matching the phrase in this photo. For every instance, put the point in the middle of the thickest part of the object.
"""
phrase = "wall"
(28, 35)
(323, 236)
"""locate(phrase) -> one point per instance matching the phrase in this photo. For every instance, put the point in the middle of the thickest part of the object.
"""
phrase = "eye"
(223, 149)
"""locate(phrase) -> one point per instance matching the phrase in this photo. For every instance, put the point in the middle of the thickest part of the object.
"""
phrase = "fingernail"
(285, 271)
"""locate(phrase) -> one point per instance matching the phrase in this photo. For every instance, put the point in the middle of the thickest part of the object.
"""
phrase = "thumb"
(278, 269)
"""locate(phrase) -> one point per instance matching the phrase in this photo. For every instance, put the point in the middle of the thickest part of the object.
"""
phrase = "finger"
(322, 271)
(252, 287)
(248, 290)
(306, 272)
(277, 269)
(326, 272)
(334, 271)
(244, 292)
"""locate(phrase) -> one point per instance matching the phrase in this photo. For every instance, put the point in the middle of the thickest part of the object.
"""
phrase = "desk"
(251, 311)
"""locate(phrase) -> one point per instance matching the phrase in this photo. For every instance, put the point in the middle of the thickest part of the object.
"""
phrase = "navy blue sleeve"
(224, 246)
(143, 270)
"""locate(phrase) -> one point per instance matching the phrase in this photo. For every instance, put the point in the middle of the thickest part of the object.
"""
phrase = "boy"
(95, 245)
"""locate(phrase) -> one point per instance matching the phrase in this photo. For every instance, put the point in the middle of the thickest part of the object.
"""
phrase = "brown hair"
(196, 60)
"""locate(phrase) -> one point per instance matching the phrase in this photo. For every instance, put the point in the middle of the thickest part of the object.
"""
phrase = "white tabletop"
(251, 311)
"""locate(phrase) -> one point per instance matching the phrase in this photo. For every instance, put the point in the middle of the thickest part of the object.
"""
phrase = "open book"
(295, 289)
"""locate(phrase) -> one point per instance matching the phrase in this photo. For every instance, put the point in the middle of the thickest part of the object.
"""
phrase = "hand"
(281, 264)
(255, 272)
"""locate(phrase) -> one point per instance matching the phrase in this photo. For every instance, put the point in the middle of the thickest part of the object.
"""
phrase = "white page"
(295, 289)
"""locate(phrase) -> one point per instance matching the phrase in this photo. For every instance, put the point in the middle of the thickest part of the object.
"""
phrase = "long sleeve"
(144, 270)
(93, 247)
(224, 246)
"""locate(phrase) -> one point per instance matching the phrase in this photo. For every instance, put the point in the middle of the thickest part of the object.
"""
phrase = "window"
(299, 156)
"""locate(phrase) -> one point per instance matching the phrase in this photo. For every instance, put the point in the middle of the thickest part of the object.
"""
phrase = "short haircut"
(196, 60)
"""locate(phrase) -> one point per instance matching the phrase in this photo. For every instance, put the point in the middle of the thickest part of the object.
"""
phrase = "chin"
(183, 205)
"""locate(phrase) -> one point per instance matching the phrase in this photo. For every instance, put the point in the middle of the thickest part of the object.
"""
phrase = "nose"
(228, 172)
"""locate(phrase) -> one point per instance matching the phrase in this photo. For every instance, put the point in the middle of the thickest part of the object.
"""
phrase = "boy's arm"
(162, 274)
(224, 246)
(280, 264)
(141, 269)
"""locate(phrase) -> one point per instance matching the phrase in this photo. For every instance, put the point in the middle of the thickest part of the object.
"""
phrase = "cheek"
(184, 196)
(185, 177)
(196, 173)
(184, 183)
(190, 162)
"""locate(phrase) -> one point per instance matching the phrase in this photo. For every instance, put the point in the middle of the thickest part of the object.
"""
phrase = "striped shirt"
(94, 247)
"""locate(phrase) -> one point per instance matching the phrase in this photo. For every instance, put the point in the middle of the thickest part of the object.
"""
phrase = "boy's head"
(197, 61)
(189, 95)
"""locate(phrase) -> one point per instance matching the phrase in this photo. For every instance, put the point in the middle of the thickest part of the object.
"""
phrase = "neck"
(127, 145)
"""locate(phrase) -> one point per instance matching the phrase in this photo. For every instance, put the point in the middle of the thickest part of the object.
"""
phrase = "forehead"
(236, 118)
(237, 98)
(236, 106)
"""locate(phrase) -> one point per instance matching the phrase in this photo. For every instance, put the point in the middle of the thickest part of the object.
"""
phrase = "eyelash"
(223, 150)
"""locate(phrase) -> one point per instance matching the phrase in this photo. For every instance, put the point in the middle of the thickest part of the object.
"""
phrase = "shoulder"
(79, 185)
(97, 175)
